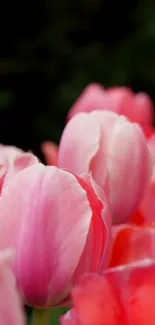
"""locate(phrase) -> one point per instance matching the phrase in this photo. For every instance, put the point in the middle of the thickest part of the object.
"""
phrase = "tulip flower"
(8, 154)
(11, 312)
(50, 151)
(132, 243)
(21, 162)
(12, 160)
(59, 228)
(91, 99)
(137, 218)
(147, 207)
(115, 152)
(136, 107)
(122, 296)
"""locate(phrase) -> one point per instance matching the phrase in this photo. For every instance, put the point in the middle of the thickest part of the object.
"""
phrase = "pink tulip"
(91, 99)
(136, 107)
(11, 312)
(115, 151)
(50, 151)
(20, 162)
(59, 228)
(7, 157)
(8, 154)
(12, 160)
(122, 296)
(148, 205)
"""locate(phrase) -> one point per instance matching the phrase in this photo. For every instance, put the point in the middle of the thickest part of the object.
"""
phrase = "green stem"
(41, 316)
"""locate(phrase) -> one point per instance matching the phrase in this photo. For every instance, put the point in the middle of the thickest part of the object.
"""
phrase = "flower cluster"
(80, 231)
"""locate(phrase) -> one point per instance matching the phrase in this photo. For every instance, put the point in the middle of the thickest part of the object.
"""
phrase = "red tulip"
(132, 243)
(122, 296)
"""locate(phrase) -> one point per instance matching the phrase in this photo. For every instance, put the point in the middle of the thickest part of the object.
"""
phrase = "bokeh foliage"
(50, 50)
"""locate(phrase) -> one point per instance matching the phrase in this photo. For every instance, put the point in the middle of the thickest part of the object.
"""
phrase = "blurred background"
(50, 50)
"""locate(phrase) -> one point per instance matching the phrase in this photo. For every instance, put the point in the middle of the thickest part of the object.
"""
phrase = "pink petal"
(148, 204)
(143, 113)
(151, 146)
(98, 166)
(50, 151)
(127, 177)
(21, 162)
(91, 99)
(11, 312)
(95, 254)
(147, 207)
(69, 318)
(119, 100)
(77, 148)
(8, 154)
(136, 107)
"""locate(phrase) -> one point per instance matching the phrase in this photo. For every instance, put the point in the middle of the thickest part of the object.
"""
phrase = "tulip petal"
(97, 299)
(23, 161)
(119, 100)
(77, 148)
(132, 243)
(42, 211)
(120, 153)
(11, 312)
(99, 235)
(91, 99)
(50, 151)
(122, 296)
(69, 318)
(8, 154)
(98, 166)
(143, 111)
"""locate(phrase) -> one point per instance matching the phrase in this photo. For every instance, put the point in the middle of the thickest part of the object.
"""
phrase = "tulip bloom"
(115, 151)
(147, 207)
(122, 296)
(91, 99)
(132, 243)
(12, 160)
(8, 154)
(11, 312)
(59, 228)
(50, 151)
(20, 162)
(136, 107)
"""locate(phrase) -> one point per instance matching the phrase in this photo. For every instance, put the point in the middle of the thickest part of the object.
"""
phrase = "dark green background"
(50, 50)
